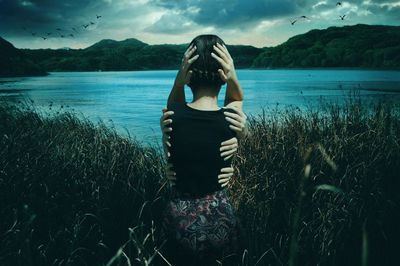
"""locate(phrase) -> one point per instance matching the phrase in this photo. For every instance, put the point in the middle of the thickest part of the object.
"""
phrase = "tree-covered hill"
(129, 54)
(366, 46)
(370, 46)
(13, 62)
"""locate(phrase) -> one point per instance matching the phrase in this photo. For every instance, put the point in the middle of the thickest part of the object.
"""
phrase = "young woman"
(199, 221)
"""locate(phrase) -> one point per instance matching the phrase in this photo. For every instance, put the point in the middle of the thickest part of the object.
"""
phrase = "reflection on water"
(133, 100)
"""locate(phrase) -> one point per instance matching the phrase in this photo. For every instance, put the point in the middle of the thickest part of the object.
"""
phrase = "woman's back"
(195, 140)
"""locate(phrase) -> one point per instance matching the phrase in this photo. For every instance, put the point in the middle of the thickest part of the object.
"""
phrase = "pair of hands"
(227, 72)
(227, 148)
(238, 120)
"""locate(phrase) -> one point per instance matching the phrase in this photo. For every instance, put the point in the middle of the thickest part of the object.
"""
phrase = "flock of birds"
(63, 33)
(338, 4)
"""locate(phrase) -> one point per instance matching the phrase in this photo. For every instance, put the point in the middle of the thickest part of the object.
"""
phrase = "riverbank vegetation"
(316, 187)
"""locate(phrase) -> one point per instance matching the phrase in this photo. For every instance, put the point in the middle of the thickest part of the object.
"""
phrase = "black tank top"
(196, 138)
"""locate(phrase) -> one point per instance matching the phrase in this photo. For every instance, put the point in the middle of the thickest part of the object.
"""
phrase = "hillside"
(129, 54)
(370, 46)
(13, 62)
(365, 46)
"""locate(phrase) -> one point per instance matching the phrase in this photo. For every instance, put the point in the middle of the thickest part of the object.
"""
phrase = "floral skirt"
(201, 230)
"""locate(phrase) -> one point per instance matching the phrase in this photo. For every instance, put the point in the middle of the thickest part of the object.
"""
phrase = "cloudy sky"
(255, 22)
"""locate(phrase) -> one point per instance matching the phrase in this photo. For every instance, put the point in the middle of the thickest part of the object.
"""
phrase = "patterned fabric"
(201, 229)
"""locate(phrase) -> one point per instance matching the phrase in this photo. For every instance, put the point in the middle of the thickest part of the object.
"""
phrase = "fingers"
(233, 115)
(220, 60)
(239, 111)
(221, 53)
(239, 129)
(230, 147)
(188, 76)
(165, 139)
(227, 170)
(191, 60)
(189, 51)
(222, 75)
(230, 152)
(226, 50)
(229, 141)
(223, 179)
(166, 122)
(165, 115)
(167, 129)
(235, 122)
(170, 173)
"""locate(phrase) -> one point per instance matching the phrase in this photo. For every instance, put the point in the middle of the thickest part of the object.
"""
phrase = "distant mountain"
(13, 62)
(129, 54)
(369, 46)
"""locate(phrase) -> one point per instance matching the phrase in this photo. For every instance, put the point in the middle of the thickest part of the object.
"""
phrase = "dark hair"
(205, 68)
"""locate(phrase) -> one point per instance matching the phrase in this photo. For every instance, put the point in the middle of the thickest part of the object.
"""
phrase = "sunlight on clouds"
(321, 3)
(26, 3)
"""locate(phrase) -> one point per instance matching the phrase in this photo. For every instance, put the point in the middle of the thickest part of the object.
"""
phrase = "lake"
(132, 101)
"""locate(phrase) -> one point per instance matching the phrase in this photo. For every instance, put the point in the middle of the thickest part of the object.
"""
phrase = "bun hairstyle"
(205, 68)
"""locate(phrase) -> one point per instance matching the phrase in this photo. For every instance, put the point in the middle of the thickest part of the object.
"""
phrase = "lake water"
(132, 101)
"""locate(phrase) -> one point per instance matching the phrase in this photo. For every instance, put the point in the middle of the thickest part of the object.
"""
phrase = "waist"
(201, 195)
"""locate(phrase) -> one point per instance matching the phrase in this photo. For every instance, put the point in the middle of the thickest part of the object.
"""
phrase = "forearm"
(234, 92)
(177, 94)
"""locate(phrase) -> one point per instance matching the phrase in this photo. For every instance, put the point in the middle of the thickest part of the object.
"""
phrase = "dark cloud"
(44, 15)
(128, 18)
(228, 13)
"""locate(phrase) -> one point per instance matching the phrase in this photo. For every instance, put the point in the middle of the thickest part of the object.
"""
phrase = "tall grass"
(316, 187)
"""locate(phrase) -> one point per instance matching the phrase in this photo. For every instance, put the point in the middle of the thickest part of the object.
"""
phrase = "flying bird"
(338, 3)
(71, 35)
(59, 29)
(85, 26)
(74, 29)
(62, 36)
(292, 22)
(49, 33)
(92, 23)
(97, 16)
(33, 33)
(44, 38)
(305, 17)
(342, 17)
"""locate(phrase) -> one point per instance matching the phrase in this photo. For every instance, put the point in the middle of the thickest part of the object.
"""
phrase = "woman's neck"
(205, 99)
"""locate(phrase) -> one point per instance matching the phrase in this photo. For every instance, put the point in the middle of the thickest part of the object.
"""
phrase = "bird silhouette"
(59, 29)
(292, 22)
(62, 36)
(73, 29)
(85, 26)
(92, 23)
(71, 35)
(33, 33)
(342, 17)
(97, 16)
(44, 38)
(338, 3)
(305, 17)
(49, 33)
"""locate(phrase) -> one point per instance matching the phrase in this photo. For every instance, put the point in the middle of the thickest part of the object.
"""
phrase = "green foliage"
(130, 54)
(369, 46)
(13, 62)
(310, 188)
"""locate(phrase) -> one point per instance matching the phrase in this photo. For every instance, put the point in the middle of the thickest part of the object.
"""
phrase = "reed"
(315, 187)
